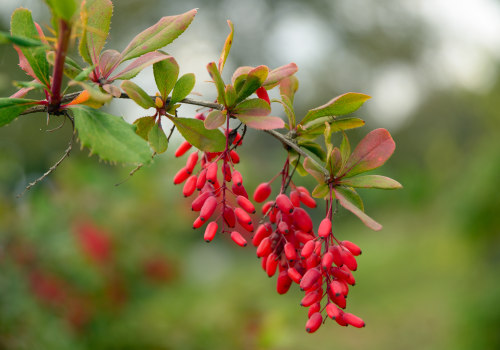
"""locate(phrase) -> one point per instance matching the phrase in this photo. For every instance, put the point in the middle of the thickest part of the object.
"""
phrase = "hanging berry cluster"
(286, 239)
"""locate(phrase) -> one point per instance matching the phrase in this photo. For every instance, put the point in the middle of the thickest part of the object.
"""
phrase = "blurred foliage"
(428, 280)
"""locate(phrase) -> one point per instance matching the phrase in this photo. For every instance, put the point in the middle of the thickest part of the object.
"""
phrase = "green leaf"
(6, 38)
(314, 148)
(84, 74)
(166, 30)
(253, 81)
(312, 168)
(372, 181)
(166, 73)
(261, 122)
(183, 87)
(317, 126)
(340, 105)
(64, 9)
(230, 95)
(137, 94)
(288, 88)
(346, 203)
(215, 119)
(219, 83)
(227, 46)
(352, 196)
(321, 191)
(22, 25)
(96, 19)
(345, 149)
(334, 161)
(253, 106)
(276, 75)
(143, 126)
(139, 64)
(240, 74)
(109, 136)
(195, 133)
(157, 139)
(371, 153)
(11, 108)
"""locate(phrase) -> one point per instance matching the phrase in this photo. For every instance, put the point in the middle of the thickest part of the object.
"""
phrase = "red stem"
(62, 48)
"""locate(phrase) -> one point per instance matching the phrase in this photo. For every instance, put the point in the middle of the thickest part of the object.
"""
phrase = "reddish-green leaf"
(334, 161)
(166, 73)
(22, 25)
(139, 64)
(253, 81)
(196, 134)
(108, 61)
(227, 46)
(372, 152)
(313, 169)
(288, 88)
(10, 108)
(137, 94)
(95, 18)
(219, 83)
(368, 221)
(215, 119)
(372, 181)
(253, 106)
(276, 75)
(240, 72)
(262, 122)
(321, 191)
(340, 105)
(183, 87)
(166, 30)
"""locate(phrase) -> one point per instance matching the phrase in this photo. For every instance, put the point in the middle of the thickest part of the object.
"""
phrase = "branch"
(286, 141)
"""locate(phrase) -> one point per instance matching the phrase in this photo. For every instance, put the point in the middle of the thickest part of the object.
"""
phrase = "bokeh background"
(88, 265)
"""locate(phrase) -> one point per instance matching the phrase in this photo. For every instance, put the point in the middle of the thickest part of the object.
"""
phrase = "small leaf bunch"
(286, 239)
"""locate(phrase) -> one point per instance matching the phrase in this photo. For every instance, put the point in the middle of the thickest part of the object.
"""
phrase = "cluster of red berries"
(211, 180)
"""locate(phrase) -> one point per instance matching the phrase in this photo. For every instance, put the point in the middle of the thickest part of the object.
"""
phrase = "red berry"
(237, 178)
(308, 249)
(198, 202)
(316, 307)
(290, 252)
(327, 261)
(198, 223)
(245, 204)
(191, 161)
(271, 264)
(264, 247)
(210, 231)
(309, 278)
(284, 282)
(337, 255)
(295, 198)
(262, 232)
(228, 216)
(181, 176)
(283, 227)
(332, 311)
(189, 186)
(208, 208)
(325, 228)
(242, 216)
(212, 173)
(353, 248)
(182, 149)
(284, 204)
(348, 259)
(353, 320)
(262, 94)
(294, 275)
(310, 298)
(235, 158)
(262, 192)
(202, 178)
(302, 220)
(239, 190)
(238, 239)
(314, 322)
(226, 172)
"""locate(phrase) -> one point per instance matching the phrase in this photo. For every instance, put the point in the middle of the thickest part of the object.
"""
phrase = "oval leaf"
(262, 122)
(183, 87)
(278, 74)
(321, 191)
(254, 80)
(368, 221)
(215, 119)
(166, 73)
(313, 169)
(11, 108)
(340, 105)
(157, 139)
(372, 152)
(109, 136)
(372, 181)
(288, 88)
(196, 134)
(166, 30)
(96, 19)
(143, 126)
(139, 64)
(137, 94)
(240, 71)
(253, 106)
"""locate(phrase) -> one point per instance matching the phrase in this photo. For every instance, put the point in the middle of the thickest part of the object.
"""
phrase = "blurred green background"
(87, 265)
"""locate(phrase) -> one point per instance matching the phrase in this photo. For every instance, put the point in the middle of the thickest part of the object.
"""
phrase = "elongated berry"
(308, 249)
(267, 207)
(237, 178)
(340, 319)
(353, 320)
(263, 231)
(337, 288)
(353, 248)
(310, 298)
(294, 274)
(242, 216)
(182, 149)
(290, 252)
(284, 204)
(210, 231)
(302, 220)
(262, 94)
(327, 261)
(238, 239)
(235, 157)
(239, 190)
(262, 192)
(181, 176)
(283, 227)
(283, 283)
(295, 198)
(348, 259)
(332, 311)
(314, 322)
(303, 237)
(189, 186)
(212, 173)
(198, 202)
(337, 255)
(228, 216)
(245, 204)
(264, 248)
(226, 172)
(339, 300)
(202, 179)
(309, 278)
(271, 264)
(325, 228)
(208, 208)
(191, 161)
(316, 307)
(198, 223)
